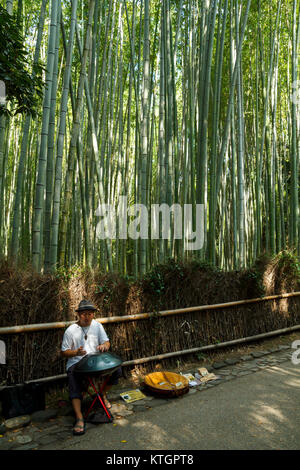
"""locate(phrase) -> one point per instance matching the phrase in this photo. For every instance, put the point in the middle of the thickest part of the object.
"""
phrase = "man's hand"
(80, 351)
(104, 347)
(68, 353)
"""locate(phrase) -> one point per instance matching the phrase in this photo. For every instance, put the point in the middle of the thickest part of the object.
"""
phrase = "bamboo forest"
(133, 104)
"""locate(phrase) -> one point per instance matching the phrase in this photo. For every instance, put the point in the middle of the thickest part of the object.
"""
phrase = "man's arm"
(73, 352)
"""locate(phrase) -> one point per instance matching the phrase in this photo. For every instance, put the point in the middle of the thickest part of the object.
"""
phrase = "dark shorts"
(78, 383)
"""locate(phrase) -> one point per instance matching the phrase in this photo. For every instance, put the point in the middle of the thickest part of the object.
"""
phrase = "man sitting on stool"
(84, 337)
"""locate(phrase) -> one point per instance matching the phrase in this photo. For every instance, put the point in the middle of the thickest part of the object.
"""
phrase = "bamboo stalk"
(209, 347)
(143, 316)
(75, 134)
(38, 213)
(24, 144)
(61, 138)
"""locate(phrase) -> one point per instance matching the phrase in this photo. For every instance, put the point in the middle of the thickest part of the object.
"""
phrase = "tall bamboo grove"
(154, 103)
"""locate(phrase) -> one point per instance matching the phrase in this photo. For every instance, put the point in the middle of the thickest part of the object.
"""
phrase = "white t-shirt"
(74, 338)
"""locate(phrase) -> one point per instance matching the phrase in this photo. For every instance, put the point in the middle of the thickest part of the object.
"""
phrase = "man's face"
(85, 317)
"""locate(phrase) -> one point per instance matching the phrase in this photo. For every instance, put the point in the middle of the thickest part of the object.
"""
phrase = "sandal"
(79, 424)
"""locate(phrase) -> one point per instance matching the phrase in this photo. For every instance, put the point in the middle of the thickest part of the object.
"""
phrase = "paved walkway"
(251, 406)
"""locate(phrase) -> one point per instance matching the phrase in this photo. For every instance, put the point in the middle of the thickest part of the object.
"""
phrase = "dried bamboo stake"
(209, 347)
(142, 316)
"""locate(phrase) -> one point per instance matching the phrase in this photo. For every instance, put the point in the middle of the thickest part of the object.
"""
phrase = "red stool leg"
(99, 397)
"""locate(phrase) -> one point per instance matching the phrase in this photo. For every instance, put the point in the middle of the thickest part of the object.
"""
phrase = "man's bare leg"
(104, 393)
(76, 403)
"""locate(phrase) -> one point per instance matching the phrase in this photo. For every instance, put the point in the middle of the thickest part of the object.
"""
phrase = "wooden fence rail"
(142, 316)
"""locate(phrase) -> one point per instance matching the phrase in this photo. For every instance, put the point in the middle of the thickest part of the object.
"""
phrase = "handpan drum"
(98, 364)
